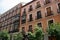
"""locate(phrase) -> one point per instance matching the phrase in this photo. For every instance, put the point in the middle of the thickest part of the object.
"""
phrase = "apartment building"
(41, 13)
(10, 20)
(25, 17)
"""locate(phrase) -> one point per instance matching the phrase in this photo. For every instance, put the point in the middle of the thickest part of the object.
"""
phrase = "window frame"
(40, 16)
(46, 10)
(30, 8)
(38, 5)
(30, 28)
(48, 21)
(39, 23)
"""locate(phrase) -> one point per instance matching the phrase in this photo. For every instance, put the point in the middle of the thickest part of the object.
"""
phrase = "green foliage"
(54, 29)
(37, 35)
(31, 36)
(18, 36)
(4, 35)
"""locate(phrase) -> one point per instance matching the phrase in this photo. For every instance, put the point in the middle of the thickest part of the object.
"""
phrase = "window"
(23, 30)
(59, 5)
(30, 8)
(30, 28)
(24, 11)
(39, 25)
(49, 12)
(30, 17)
(16, 17)
(59, 8)
(50, 22)
(39, 15)
(9, 29)
(47, 1)
(24, 16)
(38, 5)
(16, 26)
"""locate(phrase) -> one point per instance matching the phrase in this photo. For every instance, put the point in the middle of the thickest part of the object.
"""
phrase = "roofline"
(9, 10)
(28, 3)
(18, 4)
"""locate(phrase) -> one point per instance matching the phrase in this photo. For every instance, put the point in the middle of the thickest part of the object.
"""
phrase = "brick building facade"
(39, 12)
(25, 17)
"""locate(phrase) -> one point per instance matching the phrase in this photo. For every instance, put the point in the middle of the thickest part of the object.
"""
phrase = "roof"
(28, 3)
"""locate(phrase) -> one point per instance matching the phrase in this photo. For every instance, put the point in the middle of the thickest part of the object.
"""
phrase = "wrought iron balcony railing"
(49, 14)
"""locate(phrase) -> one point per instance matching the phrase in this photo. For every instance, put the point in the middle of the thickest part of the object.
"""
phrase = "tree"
(54, 30)
(18, 36)
(36, 35)
(39, 33)
(4, 35)
(31, 36)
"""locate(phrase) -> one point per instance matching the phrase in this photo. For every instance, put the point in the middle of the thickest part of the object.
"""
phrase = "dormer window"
(38, 5)
(30, 8)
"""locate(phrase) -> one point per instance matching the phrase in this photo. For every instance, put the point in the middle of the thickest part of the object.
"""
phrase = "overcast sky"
(7, 4)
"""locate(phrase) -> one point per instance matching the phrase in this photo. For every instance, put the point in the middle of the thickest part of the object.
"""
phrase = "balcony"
(23, 21)
(48, 14)
(30, 10)
(30, 30)
(14, 30)
(38, 6)
(29, 20)
(15, 19)
(37, 17)
(58, 10)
